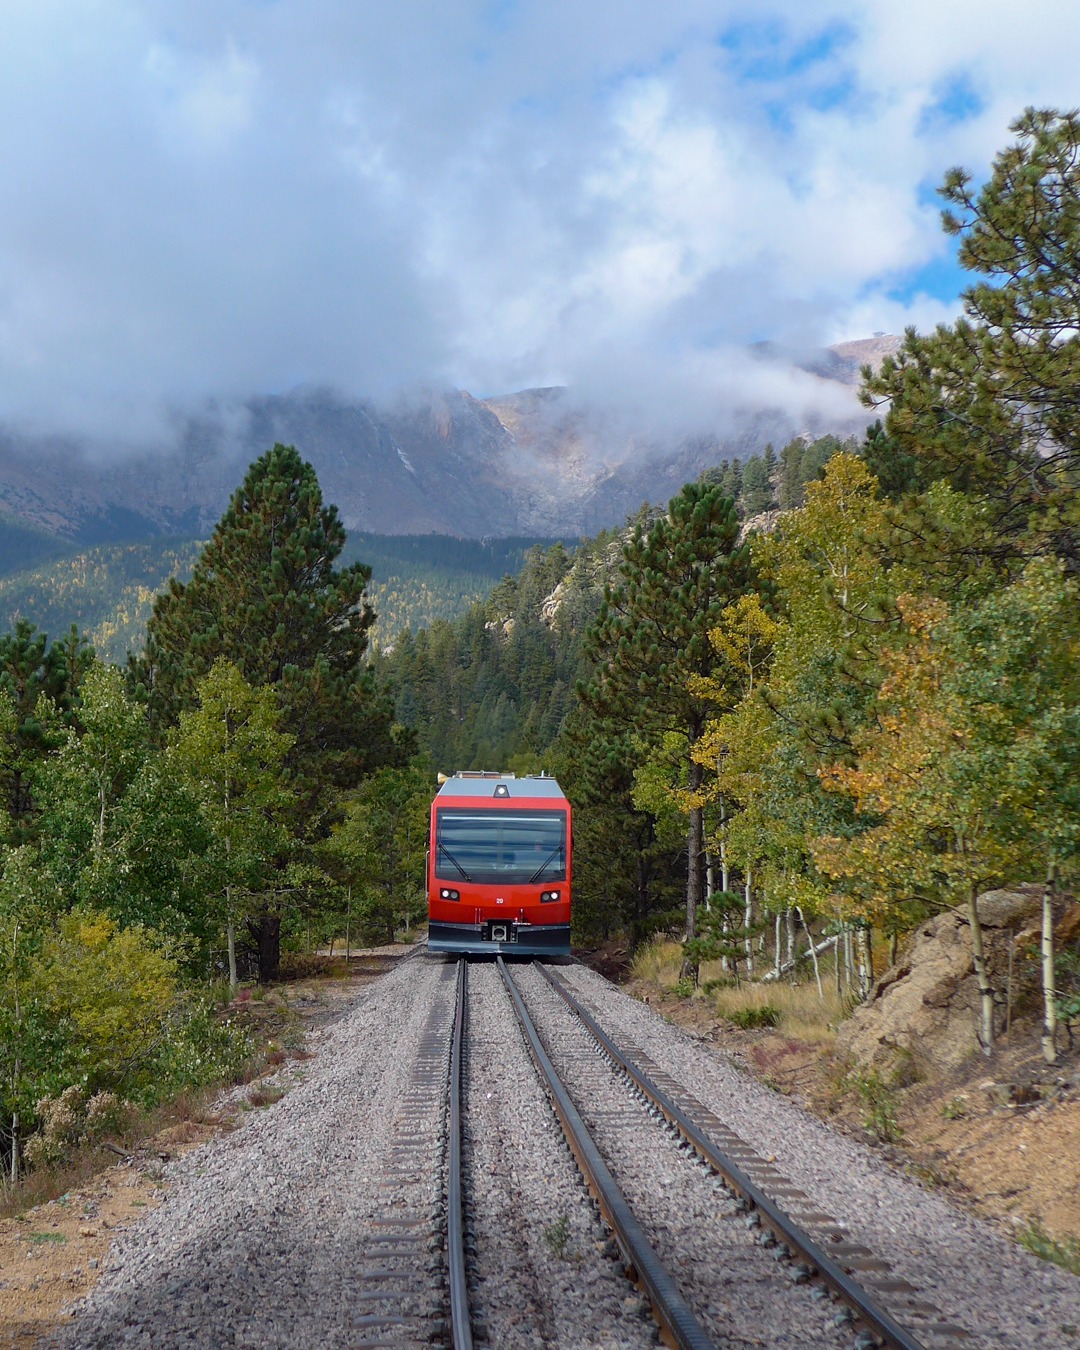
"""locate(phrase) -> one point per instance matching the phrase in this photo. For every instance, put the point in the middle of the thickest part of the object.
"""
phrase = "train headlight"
(546, 897)
(446, 894)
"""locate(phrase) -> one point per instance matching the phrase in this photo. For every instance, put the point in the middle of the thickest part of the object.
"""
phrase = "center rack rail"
(674, 1315)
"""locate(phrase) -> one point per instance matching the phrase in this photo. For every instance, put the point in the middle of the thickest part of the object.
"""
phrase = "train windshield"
(493, 847)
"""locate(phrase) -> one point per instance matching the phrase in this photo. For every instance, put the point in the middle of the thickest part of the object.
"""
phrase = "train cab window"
(493, 847)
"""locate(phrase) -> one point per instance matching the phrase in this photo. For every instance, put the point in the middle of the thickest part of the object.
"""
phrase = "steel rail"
(676, 1319)
(460, 1325)
(862, 1303)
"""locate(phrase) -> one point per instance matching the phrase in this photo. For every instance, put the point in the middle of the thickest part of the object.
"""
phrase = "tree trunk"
(825, 945)
(1049, 991)
(230, 935)
(267, 932)
(643, 875)
(694, 846)
(748, 922)
(348, 924)
(725, 875)
(710, 879)
(864, 958)
(230, 918)
(99, 828)
(17, 1071)
(978, 960)
(776, 946)
(789, 920)
(813, 956)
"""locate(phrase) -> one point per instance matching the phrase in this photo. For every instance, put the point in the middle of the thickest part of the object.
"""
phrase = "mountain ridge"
(533, 462)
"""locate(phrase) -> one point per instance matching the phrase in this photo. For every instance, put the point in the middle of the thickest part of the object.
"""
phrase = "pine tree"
(756, 488)
(651, 637)
(265, 596)
(989, 403)
(791, 479)
(30, 670)
(771, 470)
(731, 483)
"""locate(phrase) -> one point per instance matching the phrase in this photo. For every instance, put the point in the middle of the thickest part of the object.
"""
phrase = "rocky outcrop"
(927, 1006)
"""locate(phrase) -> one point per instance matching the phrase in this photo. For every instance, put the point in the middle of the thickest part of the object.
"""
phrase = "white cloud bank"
(211, 200)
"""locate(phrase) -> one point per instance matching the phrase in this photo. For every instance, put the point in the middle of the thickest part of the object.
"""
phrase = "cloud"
(213, 200)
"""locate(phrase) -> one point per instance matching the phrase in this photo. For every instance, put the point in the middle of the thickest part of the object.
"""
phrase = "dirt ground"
(1001, 1135)
(55, 1252)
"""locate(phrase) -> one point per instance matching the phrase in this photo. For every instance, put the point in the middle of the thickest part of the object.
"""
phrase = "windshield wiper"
(444, 849)
(556, 852)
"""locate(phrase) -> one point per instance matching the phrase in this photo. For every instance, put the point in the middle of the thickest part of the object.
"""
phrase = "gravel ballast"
(319, 1221)
(276, 1235)
(1002, 1295)
(737, 1289)
(545, 1274)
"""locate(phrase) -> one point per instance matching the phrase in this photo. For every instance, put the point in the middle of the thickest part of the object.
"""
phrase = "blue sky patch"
(955, 100)
(765, 52)
(941, 277)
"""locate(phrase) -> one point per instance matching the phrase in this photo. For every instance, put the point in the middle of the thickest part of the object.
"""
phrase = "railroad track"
(803, 1258)
(413, 1190)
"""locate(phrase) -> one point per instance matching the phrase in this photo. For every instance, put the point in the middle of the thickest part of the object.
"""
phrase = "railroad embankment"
(1000, 1132)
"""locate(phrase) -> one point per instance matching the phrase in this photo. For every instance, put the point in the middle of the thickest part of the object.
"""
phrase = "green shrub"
(720, 982)
(750, 1019)
(1065, 1254)
(198, 1048)
(879, 1098)
(111, 989)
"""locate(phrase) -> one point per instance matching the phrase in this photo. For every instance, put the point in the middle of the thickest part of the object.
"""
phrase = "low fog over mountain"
(540, 461)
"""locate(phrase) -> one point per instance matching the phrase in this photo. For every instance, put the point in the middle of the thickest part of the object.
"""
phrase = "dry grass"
(657, 962)
(803, 1013)
(266, 1096)
(50, 1183)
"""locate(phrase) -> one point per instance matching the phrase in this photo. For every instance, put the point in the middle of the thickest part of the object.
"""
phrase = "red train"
(498, 870)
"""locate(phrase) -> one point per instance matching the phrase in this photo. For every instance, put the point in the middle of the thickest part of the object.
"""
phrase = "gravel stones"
(320, 1221)
(268, 1232)
(1002, 1295)
(544, 1272)
(733, 1286)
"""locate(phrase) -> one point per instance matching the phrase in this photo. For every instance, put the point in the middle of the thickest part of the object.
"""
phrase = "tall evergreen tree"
(791, 478)
(989, 403)
(265, 596)
(651, 637)
(756, 488)
(30, 669)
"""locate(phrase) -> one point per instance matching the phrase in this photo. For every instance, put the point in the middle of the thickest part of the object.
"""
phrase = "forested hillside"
(108, 592)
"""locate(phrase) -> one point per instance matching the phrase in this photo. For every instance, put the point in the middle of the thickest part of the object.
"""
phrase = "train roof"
(478, 783)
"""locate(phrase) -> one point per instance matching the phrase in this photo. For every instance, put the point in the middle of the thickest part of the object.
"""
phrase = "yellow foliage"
(114, 987)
